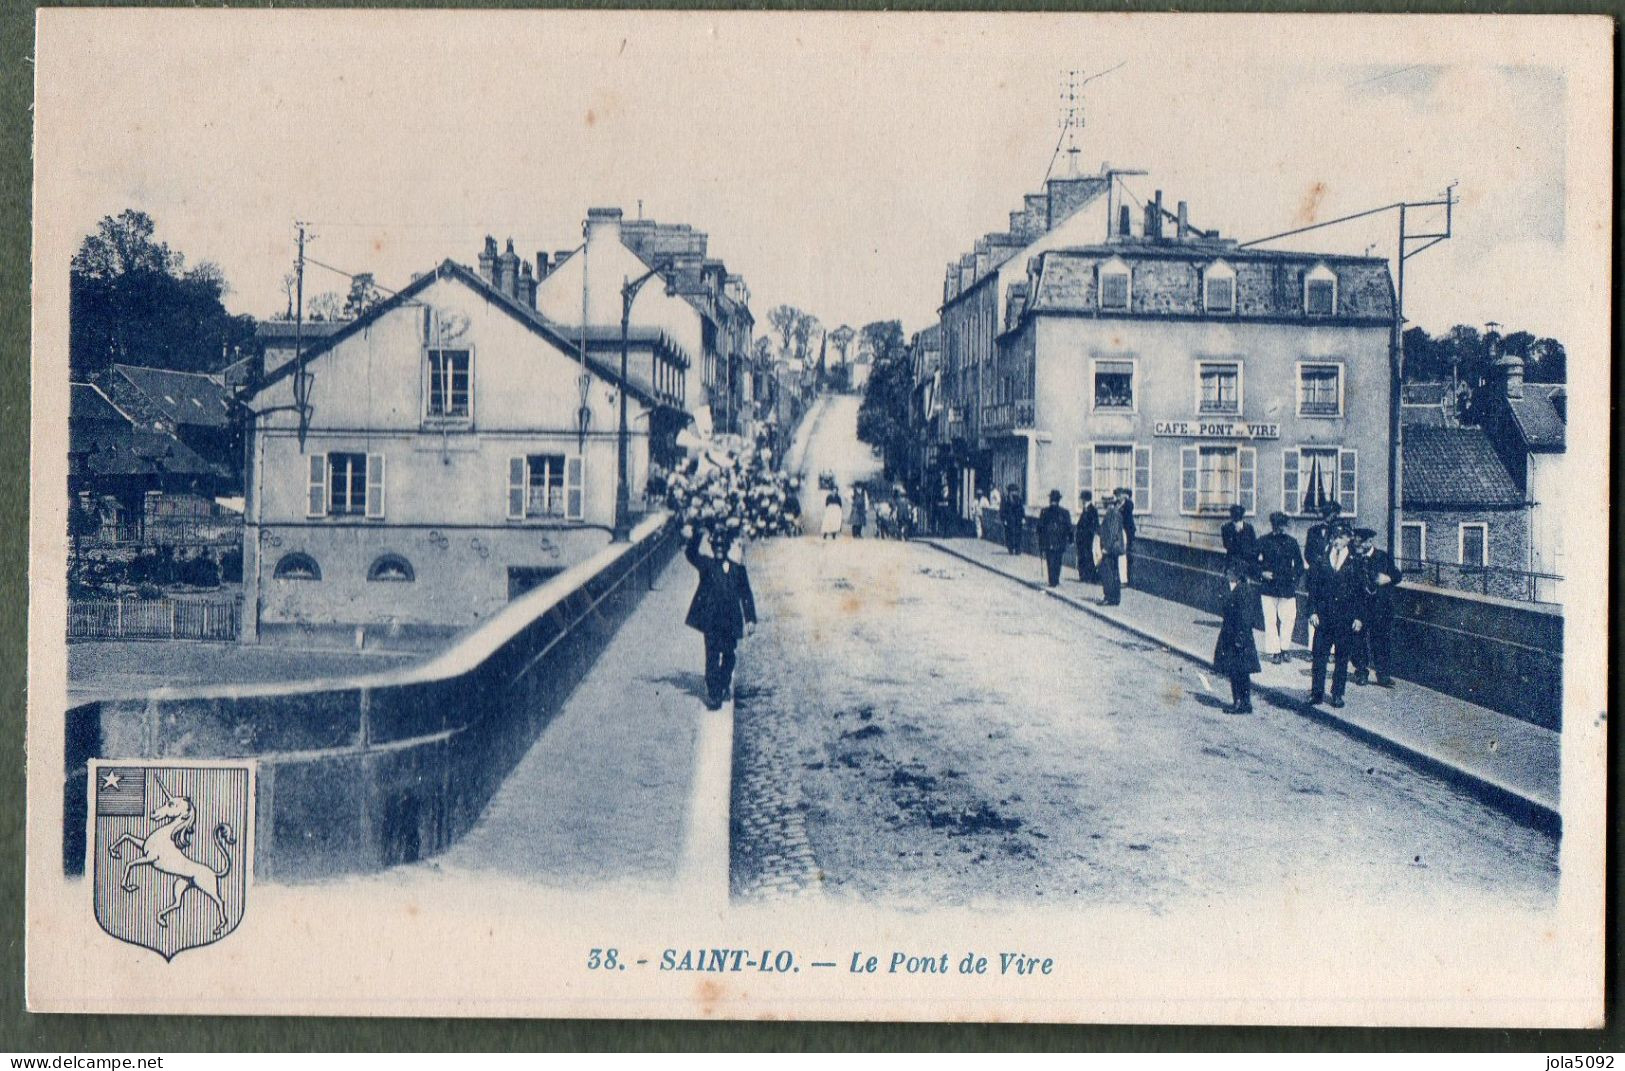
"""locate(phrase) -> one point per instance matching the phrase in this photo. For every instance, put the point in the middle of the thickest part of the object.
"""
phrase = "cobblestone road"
(912, 729)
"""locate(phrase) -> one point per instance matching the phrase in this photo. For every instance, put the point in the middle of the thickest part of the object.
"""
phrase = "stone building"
(453, 450)
(1195, 374)
(699, 310)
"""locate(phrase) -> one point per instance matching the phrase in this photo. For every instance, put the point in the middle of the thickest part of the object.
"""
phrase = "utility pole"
(300, 387)
(1408, 248)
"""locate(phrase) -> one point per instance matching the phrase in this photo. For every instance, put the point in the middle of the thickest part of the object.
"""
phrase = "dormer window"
(1219, 288)
(1320, 292)
(1114, 285)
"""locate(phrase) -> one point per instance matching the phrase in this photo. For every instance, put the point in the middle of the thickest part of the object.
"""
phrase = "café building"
(1200, 376)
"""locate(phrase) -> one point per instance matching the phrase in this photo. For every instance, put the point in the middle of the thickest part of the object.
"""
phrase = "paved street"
(913, 728)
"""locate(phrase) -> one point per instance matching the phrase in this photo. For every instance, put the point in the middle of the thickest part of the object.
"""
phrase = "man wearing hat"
(1318, 540)
(1280, 565)
(1054, 533)
(1336, 597)
(1112, 546)
(1012, 511)
(1088, 525)
(1239, 538)
(1380, 576)
(722, 606)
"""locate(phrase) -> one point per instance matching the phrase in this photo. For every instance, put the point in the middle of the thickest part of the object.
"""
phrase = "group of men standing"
(1350, 583)
(1101, 537)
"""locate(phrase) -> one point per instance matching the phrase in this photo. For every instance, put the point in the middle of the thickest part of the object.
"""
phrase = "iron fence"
(154, 619)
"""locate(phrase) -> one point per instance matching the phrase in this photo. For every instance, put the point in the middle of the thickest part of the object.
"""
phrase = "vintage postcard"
(1056, 518)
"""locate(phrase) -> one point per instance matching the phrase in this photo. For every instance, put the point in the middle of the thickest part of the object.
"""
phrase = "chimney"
(508, 271)
(1123, 222)
(541, 264)
(527, 285)
(1184, 221)
(603, 224)
(1511, 366)
(488, 260)
(561, 255)
(1153, 217)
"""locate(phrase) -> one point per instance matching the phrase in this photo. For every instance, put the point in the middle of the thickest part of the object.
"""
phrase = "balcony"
(1007, 416)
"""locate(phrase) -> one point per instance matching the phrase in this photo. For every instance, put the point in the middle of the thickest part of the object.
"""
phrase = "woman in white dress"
(831, 526)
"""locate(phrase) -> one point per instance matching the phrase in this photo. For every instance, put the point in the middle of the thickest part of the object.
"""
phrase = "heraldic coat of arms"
(170, 851)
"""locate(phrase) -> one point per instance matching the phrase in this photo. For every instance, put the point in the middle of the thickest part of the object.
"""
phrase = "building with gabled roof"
(452, 448)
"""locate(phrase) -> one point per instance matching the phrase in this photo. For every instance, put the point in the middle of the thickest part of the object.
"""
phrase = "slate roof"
(87, 404)
(1447, 467)
(1537, 419)
(181, 398)
(287, 330)
(1168, 281)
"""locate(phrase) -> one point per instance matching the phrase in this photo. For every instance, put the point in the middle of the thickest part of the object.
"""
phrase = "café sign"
(1216, 429)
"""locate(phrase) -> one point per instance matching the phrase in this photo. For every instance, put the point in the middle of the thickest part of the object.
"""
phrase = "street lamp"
(621, 532)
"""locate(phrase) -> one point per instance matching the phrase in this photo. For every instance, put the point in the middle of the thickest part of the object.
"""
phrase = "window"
(391, 568)
(1218, 387)
(1413, 541)
(1114, 385)
(1473, 541)
(346, 485)
(1214, 478)
(546, 485)
(1114, 285)
(297, 566)
(1320, 389)
(1104, 467)
(1311, 476)
(447, 394)
(1320, 292)
(1219, 288)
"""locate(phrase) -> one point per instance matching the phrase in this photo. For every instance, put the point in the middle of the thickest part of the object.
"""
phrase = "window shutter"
(1187, 479)
(317, 505)
(1247, 485)
(517, 478)
(1348, 487)
(1291, 502)
(1142, 480)
(1086, 471)
(575, 482)
(375, 485)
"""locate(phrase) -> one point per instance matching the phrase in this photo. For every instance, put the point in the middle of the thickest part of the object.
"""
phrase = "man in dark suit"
(1112, 546)
(1054, 533)
(1125, 509)
(1380, 577)
(1088, 526)
(1012, 511)
(1318, 540)
(1336, 596)
(722, 606)
(1240, 540)
(1235, 654)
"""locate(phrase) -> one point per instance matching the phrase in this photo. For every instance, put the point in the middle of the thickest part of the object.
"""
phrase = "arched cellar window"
(298, 566)
(392, 567)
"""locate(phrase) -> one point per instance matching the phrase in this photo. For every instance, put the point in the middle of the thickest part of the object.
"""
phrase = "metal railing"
(154, 619)
(1518, 584)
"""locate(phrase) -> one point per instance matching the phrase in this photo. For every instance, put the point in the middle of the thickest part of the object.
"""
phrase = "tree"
(784, 320)
(131, 300)
(842, 338)
(883, 414)
(806, 328)
(364, 294)
(324, 306)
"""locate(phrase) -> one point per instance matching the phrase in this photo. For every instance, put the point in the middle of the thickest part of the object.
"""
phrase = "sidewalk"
(619, 787)
(1510, 764)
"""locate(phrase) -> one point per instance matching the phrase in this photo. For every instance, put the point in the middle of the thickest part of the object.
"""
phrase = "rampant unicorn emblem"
(160, 914)
(164, 849)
